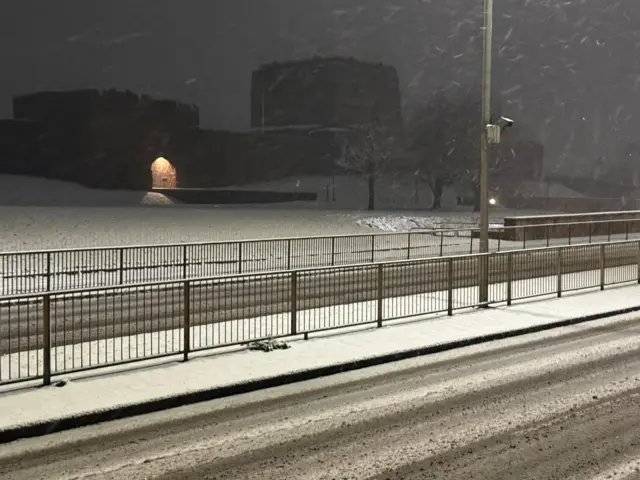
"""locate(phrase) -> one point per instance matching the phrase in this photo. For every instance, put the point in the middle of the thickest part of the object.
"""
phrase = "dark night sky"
(569, 70)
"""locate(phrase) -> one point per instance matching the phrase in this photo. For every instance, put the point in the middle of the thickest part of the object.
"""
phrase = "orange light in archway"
(163, 174)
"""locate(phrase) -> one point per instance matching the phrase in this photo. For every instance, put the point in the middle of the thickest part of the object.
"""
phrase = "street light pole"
(484, 153)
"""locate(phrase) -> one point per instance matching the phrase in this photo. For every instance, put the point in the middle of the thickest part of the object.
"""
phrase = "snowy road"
(555, 405)
(132, 311)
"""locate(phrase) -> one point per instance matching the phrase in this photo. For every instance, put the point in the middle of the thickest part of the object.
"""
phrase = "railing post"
(590, 232)
(409, 246)
(48, 271)
(289, 254)
(569, 234)
(524, 238)
(547, 229)
(184, 262)
(239, 257)
(442, 243)
(602, 266)
(509, 277)
(187, 319)
(373, 248)
(559, 271)
(638, 262)
(380, 293)
(333, 251)
(46, 340)
(626, 230)
(121, 265)
(294, 303)
(450, 286)
(609, 231)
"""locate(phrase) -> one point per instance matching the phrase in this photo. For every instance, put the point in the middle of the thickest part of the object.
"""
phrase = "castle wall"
(325, 91)
(102, 139)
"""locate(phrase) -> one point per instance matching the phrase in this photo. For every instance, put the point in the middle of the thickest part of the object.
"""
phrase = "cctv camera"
(505, 122)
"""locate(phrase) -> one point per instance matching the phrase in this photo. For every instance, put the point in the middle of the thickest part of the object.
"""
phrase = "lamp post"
(484, 153)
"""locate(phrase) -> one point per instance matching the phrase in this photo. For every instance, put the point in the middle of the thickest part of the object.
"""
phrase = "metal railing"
(54, 270)
(47, 334)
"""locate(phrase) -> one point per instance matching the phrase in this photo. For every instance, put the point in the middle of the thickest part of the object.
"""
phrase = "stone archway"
(163, 174)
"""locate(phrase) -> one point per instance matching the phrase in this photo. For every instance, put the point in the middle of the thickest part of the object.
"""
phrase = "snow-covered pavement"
(85, 393)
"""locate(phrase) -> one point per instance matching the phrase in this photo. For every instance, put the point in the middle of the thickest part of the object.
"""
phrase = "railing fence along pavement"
(54, 270)
(52, 333)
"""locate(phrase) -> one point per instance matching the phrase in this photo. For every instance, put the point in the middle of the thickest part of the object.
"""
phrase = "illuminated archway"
(163, 174)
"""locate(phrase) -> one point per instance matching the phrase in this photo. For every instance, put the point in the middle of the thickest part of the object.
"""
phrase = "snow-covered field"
(113, 350)
(33, 228)
(28, 228)
(45, 214)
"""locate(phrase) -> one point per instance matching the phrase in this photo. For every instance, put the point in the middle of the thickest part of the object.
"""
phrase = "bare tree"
(626, 169)
(444, 136)
(368, 150)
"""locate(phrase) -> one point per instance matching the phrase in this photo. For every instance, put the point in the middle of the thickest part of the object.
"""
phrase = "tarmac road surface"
(563, 405)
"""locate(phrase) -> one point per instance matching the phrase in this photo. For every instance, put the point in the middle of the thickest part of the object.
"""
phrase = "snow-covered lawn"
(29, 228)
(39, 228)
(44, 214)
